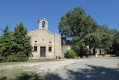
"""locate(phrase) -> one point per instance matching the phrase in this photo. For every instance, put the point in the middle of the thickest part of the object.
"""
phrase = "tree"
(15, 46)
(76, 25)
(82, 30)
(5, 44)
(115, 46)
(22, 48)
(100, 38)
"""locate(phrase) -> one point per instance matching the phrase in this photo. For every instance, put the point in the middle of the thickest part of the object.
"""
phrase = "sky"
(12, 12)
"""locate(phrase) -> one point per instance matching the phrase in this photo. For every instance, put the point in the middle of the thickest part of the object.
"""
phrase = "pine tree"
(15, 46)
(23, 47)
(5, 44)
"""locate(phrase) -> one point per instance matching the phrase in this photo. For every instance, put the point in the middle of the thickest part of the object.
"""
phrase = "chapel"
(45, 43)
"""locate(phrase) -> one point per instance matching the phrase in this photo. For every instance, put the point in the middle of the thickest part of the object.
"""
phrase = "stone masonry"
(45, 43)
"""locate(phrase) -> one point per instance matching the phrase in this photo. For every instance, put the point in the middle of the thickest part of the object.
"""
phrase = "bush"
(70, 54)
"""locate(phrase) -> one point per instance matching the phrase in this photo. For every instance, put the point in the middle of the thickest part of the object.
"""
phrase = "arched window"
(43, 24)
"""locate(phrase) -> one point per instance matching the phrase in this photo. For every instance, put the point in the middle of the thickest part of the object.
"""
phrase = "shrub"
(70, 54)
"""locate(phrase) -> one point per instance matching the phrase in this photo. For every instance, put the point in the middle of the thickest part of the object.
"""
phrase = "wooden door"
(42, 51)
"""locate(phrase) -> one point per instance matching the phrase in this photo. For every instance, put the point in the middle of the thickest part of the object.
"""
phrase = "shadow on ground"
(24, 76)
(93, 73)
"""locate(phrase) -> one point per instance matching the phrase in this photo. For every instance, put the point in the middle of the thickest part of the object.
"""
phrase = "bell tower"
(43, 24)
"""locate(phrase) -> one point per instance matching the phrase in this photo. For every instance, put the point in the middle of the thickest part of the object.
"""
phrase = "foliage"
(20, 74)
(100, 38)
(28, 76)
(70, 54)
(23, 40)
(15, 46)
(83, 31)
(115, 45)
(2, 77)
(76, 25)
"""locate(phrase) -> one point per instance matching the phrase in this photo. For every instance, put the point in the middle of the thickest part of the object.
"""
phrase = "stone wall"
(58, 49)
(45, 41)
(65, 46)
(45, 38)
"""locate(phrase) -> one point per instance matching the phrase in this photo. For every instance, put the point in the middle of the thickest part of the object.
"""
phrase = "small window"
(50, 49)
(35, 48)
(43, 24)
(50, 42)
(35, 41)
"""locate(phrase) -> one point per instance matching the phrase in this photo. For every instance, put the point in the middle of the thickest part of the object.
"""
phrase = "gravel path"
(42, 68)
(92, 69)
(50, 67)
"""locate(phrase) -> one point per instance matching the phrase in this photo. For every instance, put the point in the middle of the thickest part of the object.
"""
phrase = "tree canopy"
(84, 31)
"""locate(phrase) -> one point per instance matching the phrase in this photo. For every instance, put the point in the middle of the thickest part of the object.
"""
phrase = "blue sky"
(12, 12)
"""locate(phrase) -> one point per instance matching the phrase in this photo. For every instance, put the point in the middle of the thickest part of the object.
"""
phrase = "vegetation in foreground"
(19, 74)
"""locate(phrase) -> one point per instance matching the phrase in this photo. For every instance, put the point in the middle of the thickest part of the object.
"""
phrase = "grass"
(19, 74)
(10, 73)
(118, 65)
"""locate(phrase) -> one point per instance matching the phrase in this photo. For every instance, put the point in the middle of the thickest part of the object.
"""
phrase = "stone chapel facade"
(45, 43)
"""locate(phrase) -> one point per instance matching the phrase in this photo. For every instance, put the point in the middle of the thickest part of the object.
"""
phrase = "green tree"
(99, 38)
(83, 31)
(5, 44)
(115, 46)
(22, 48)
(76, 24)
(15, 46)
